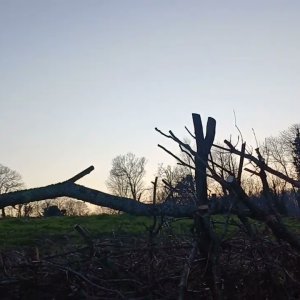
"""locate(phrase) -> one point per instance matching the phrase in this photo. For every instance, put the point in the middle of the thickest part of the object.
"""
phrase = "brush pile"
(137, 267)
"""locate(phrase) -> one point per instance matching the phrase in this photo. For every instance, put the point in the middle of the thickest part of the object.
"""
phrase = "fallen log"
(69, 188)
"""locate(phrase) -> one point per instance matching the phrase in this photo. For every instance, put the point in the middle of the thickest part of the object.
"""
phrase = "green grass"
(33, 231)
(16, 232)
(292, 224)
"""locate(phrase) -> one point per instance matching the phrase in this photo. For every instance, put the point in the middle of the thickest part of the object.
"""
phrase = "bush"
(53, 211)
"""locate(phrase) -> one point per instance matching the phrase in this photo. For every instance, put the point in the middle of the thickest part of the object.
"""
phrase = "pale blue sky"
(85, 81)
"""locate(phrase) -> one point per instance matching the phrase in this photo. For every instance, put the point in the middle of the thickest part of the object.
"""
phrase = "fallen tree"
(69, 188)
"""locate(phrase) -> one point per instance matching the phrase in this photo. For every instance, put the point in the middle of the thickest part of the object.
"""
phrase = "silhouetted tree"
(69, 206)
(53, 211)
(178, 184)
(126, 176)
(296, 153)
(169, 177)
(279, 152)
(73, 207)
(10, 181)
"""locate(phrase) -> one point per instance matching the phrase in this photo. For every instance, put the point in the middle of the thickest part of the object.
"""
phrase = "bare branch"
(252, 172)
(186, 271)
(214, 164)
(242, 156)
(81, 174)
(221, 148)
(189, 132)
(235, 124)
(185, 145)
(162, 133)
(262, 165)
(187, 153)
(176, 157)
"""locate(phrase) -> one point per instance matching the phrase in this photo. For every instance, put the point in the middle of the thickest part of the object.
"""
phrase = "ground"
(116, 257)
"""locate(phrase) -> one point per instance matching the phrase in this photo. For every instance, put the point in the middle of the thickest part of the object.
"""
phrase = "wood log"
(76, 191)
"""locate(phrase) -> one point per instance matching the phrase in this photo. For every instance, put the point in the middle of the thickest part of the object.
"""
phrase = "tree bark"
(204, 145)
(73, 190)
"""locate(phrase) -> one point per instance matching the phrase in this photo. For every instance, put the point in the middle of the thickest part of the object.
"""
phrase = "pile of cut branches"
(129, 267)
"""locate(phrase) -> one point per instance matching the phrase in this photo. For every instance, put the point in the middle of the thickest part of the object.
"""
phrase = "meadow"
(16, 232)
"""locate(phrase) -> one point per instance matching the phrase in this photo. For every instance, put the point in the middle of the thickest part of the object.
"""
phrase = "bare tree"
(73, 207)
(171, 175)
(126, 176)
(225, 164)
(279, 152)
(177, 184)
(296, 152)
(68, 206)
(289, 135)
(10, 181)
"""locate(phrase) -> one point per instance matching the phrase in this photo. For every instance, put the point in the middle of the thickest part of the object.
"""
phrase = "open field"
(32, 231)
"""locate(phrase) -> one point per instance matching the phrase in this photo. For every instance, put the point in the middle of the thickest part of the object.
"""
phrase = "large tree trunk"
(208, 241)
(204, 145)
(70, 189)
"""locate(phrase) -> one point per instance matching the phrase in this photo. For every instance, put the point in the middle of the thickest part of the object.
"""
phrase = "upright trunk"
(208, 241)
(204, 145)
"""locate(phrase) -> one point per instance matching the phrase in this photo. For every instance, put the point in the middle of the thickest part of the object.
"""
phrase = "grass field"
(34, 231)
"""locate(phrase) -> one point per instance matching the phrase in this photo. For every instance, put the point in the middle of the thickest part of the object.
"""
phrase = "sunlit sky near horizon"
(85, 81)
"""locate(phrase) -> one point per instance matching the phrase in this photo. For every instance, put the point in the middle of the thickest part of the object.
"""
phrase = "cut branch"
(190, 132)
(241, 162)
(186, 271)
(176, 157)
(81, 174)
(262, 165)
(73, 190)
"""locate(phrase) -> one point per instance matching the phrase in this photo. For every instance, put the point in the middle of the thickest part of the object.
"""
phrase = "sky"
(84, 81)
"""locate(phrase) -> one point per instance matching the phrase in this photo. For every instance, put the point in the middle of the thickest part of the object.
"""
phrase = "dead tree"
(207, 240)
(70, 189)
